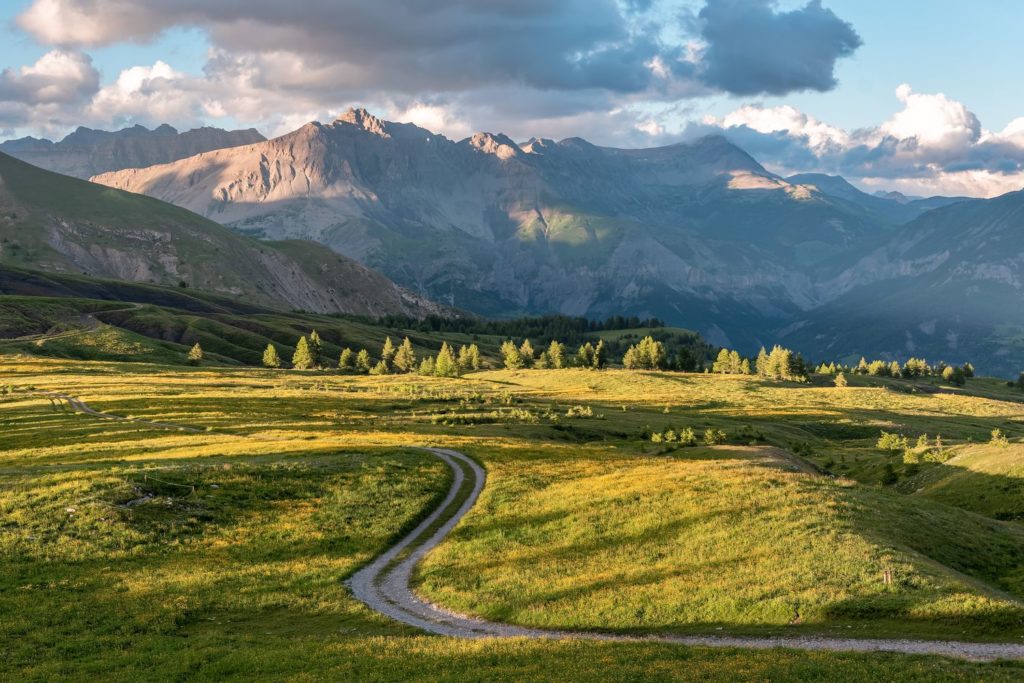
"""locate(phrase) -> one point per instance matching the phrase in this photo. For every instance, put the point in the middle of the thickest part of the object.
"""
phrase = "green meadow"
(131, 551)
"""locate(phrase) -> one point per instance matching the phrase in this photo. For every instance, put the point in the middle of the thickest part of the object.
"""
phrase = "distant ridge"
(86, 152)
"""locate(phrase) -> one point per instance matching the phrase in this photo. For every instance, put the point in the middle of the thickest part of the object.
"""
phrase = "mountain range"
(698, 234)
(86, 152)
(59, 224)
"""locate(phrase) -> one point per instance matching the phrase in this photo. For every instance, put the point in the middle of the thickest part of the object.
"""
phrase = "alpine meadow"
(706, 363)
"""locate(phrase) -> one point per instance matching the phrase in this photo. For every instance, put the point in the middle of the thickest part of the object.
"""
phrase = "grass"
(986, 479)
(221, 554)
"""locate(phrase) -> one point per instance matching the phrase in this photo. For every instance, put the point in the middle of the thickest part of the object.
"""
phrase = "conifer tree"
(745, 368)
(195, 355)
(600, 356)
(556, 355)
(862, 367)
(473, 355)
(631, 361)
(446, 365)
(735, 364)
(840, 380)
(585, 356)
(761, 364)
(347, 360)
(316, 348)
(721, 364)
(512, 358)
(271, 359)
(387, 354)
(405, 358)
(427, 366)
(302, 359)
(526, 353)
(363, 363)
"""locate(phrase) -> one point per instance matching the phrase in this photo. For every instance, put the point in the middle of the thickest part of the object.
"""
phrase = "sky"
(920, 96)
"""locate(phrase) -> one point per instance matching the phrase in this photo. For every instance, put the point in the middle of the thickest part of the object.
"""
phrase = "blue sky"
(193, 63)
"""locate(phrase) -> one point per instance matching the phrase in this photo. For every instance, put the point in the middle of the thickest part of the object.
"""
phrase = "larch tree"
(387, 353)
(195, 354)
(600, 358)
(316, 348)
(511, 357)
(556, 355)
(405, 358)
(302, 359)
(363, 363)
(526, 353)
(446, 364)
(271, 359)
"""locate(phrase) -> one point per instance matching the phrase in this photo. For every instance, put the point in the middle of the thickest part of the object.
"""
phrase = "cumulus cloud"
(933, 144)
(57, 77)
(751, 48)
(571, 57)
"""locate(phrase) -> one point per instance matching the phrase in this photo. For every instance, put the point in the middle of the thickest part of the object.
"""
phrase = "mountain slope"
(60, 224)
(86, 152)
(698, 233)
(948, 285)
(890, 207)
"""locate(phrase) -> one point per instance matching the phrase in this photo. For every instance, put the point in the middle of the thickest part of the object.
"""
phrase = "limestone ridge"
(86, 152)
(59, 224)
(697, 233)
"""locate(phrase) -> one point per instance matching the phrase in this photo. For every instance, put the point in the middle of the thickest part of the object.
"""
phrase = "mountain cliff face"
(59, 224)
(947, 285)
(700, 232)
(86, 152)
(697, 234)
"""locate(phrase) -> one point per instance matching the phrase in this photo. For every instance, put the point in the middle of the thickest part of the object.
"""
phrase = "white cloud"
(931, 145)
(933, 120)
(56, 77)
(784, 119)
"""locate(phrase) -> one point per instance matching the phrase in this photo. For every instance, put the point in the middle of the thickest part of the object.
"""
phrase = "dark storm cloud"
(412, 46)
(752, 49)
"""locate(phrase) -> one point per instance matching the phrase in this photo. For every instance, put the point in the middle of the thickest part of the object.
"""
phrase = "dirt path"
(383, 585)
(80, 406)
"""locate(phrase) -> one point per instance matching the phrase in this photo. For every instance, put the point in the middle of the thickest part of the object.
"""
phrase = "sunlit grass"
(222, 553)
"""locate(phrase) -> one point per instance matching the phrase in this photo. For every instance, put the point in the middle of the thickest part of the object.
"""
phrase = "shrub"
(713, 436)
(580, 411)
(894, 443)
(999, 439)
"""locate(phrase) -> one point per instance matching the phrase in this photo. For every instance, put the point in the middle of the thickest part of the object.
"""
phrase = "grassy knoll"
(132, 551)
(985, 478)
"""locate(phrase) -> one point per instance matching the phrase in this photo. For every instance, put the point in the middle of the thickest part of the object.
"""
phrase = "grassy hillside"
(987, 479)
(219, 554)
(59, 224)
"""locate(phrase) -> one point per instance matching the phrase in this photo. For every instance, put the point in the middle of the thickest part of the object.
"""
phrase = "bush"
(713, 436)
(894, 443)
(580, 411)
(999, 439)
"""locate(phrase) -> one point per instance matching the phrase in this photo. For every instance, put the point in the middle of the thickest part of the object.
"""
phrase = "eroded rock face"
(55, 223)
(86, 152)
(699, 234)
(498, 227)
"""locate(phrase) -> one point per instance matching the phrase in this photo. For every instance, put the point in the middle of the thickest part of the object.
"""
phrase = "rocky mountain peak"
(361, 118)
(500, 145)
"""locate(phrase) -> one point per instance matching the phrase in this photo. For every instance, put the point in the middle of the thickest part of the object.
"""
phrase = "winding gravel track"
(81, 406)
(383, 585)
